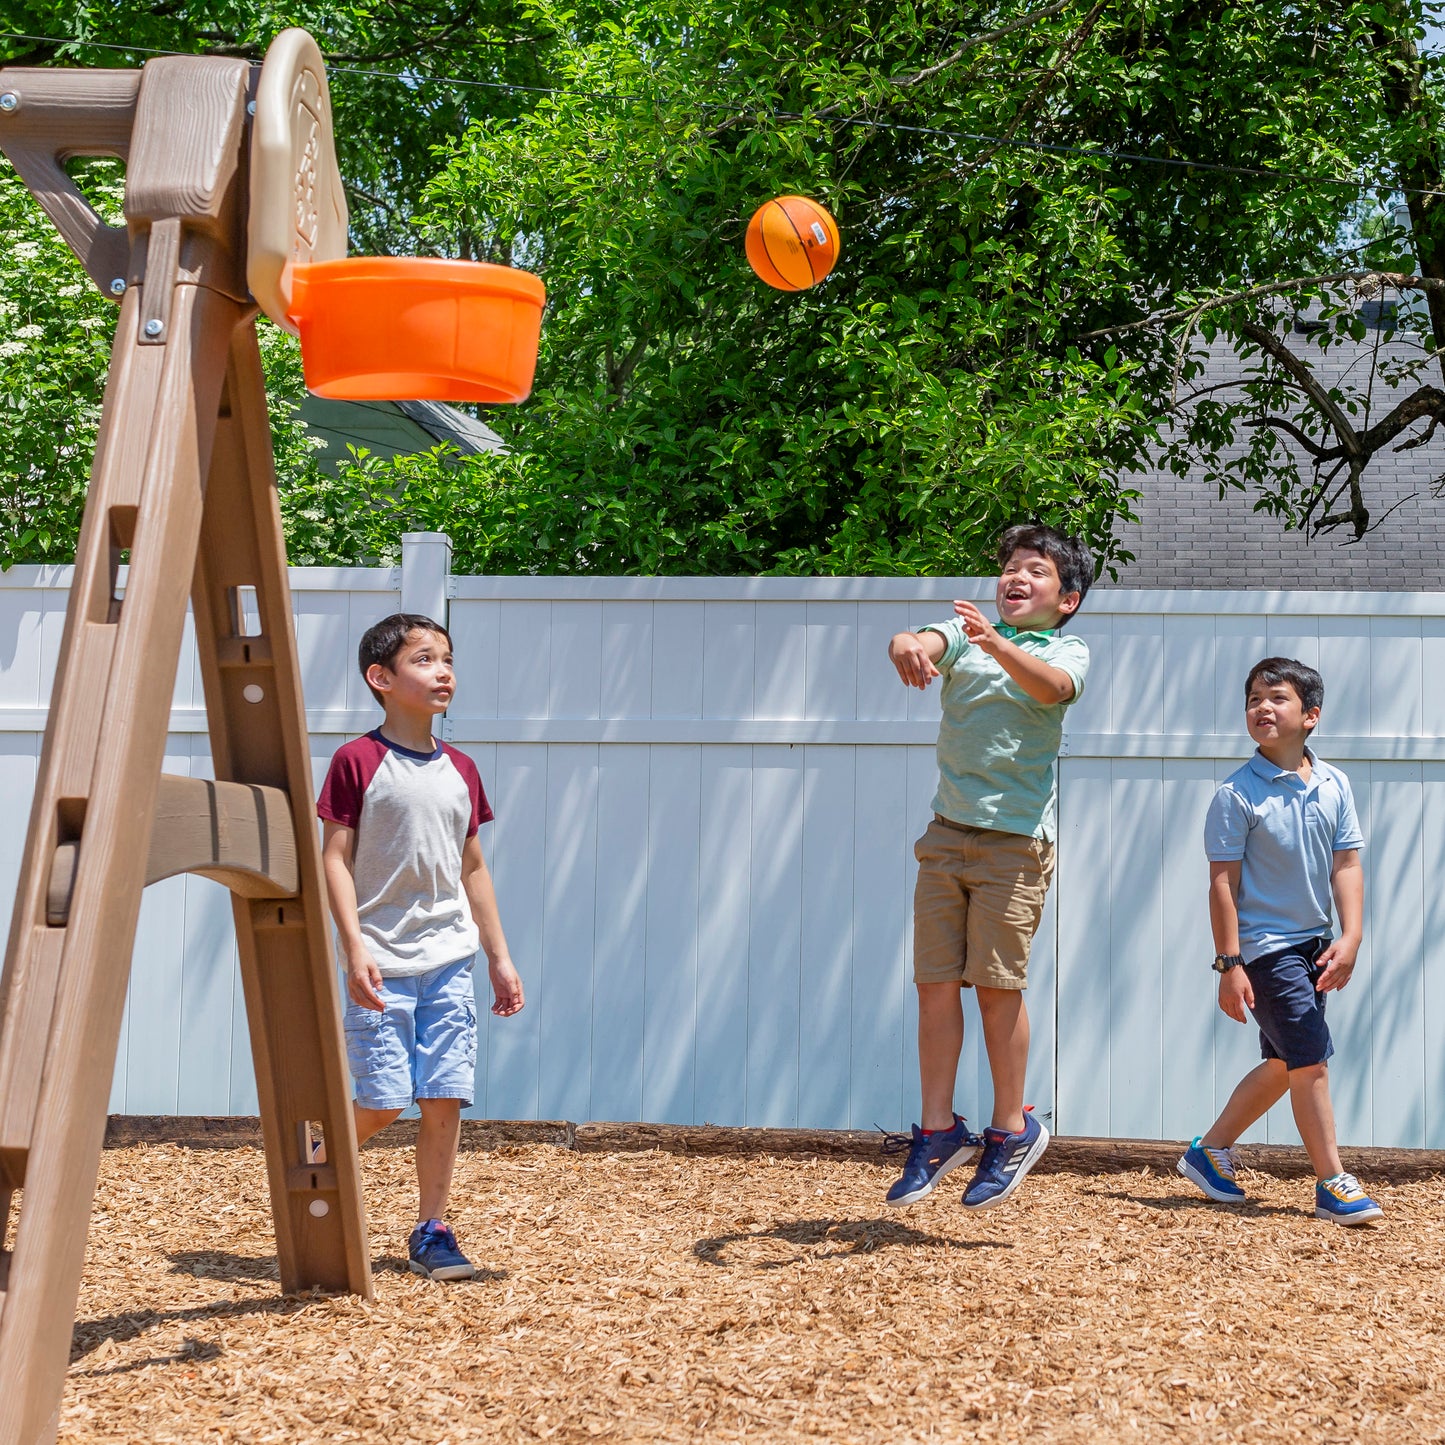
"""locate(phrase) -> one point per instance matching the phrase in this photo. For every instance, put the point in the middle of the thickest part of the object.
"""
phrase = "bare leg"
(940, 1039)
(436, 1154)
(371, 1121)
(368, 1122)
(1253, 1097)
(1006, 1037)
(1314, 1115)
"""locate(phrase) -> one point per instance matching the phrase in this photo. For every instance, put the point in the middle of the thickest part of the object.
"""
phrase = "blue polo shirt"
(1287, 832)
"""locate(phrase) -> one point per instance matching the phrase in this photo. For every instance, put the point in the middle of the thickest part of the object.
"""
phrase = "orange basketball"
(792, 243)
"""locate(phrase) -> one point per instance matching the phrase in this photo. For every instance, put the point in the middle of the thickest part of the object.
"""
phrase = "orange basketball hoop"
(383, 327)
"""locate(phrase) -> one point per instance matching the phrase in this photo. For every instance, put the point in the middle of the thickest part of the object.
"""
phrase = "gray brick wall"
(1188, 536)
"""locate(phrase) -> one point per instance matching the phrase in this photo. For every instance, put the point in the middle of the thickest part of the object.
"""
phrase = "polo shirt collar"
(1262, 767)
(1004, 630)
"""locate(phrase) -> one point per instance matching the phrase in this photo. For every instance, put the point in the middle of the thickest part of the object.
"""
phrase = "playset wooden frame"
(183, 483)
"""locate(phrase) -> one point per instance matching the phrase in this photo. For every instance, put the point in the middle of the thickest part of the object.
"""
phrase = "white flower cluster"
(29, 333)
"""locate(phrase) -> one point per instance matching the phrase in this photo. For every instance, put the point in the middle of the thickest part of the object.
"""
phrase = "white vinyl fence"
(706, 795)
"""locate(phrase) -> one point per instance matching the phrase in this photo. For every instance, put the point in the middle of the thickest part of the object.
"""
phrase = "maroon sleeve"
(481, 809)
(352, 768)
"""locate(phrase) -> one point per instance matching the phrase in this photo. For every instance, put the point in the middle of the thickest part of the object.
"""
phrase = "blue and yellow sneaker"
(433, 1252)
(1212, 1171)
(930, 1157)
(1006, 1159)
(1342, 1201)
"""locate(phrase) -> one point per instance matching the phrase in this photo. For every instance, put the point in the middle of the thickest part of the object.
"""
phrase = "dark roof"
(392, 428)
(1188, 536)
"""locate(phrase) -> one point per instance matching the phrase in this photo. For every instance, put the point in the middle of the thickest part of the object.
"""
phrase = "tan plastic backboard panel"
(298, 206)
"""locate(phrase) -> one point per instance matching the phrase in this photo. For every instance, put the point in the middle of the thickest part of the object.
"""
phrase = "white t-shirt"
(412, 814)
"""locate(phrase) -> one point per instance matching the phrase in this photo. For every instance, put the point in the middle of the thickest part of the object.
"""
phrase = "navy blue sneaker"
(1006, 1159)
(434, 1253)
(1212, 1171)
(1342, 1201)
(930, 1157)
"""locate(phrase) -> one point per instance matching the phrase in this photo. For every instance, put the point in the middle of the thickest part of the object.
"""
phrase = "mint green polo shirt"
(996, 745)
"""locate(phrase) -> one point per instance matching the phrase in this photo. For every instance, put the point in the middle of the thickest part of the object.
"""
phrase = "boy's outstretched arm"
(1042, 681)
(507, 996)
(363, 977)
(1235, 992)
(1347, 883)
(915, 655)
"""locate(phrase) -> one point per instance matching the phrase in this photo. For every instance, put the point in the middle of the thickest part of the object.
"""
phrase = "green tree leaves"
(1001, 337)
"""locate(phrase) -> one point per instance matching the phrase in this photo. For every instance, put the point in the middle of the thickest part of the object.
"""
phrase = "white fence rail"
(706, 795)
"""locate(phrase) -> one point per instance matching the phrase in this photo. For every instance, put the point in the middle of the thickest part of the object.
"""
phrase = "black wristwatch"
(1223, 962)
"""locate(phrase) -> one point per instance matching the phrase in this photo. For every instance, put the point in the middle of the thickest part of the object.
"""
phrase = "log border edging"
(1065, 1155)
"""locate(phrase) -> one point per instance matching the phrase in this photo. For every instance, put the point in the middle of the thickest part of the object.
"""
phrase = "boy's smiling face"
(1276, 717)
(1030, 594)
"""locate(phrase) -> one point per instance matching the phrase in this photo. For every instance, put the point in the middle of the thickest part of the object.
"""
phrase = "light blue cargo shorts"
(422, 1046)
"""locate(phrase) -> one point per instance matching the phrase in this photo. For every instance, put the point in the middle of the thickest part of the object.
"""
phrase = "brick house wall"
(1188, 536)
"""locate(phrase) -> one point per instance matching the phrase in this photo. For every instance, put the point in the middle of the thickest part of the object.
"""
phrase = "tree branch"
(620, 373)
(1422, 440)
(917, 77)
(1397, 279)
(1303, 373)
(1279, 423)
(903, 82)
(1036, 96)
(1427, 401)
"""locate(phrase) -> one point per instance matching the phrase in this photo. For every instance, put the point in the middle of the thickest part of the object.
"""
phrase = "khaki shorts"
(977, 904)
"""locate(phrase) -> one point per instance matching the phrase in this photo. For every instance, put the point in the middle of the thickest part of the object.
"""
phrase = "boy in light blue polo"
(1282, 837)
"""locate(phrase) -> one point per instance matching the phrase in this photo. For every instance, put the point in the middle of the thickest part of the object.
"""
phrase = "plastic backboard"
(298, 205)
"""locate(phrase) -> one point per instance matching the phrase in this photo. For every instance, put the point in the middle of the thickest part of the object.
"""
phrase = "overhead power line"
(760, 113)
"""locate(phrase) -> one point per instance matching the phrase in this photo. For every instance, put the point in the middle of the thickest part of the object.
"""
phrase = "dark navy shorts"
(1290, 1014)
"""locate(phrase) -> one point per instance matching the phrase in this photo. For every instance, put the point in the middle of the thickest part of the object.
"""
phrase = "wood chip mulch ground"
(666, 1296)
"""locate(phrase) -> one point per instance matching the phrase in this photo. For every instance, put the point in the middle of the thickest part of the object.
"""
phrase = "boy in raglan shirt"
(412, 900)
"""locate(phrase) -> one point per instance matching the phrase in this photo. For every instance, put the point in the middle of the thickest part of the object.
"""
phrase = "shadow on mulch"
(1173, 1203)
(192, 1351)
(210, 1264)
(213, 1264)
(856, 1236)
(91, 1335)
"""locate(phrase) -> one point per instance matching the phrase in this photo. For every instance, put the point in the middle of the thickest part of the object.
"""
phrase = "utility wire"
(414, 78)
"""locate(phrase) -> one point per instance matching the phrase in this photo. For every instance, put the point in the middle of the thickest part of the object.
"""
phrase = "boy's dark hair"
(1069, 555)
(382, 641)
(1309, 686)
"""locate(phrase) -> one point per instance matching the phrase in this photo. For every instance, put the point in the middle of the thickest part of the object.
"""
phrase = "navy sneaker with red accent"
(930, 1157)
(1006, 1159)
(433, 1252)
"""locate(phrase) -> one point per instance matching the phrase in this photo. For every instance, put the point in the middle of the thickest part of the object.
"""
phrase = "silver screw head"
(250, 107)
(154, 327)
(117, 287)
(9, 101)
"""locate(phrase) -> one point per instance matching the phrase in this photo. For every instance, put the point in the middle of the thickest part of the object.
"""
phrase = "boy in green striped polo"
(986, 859)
